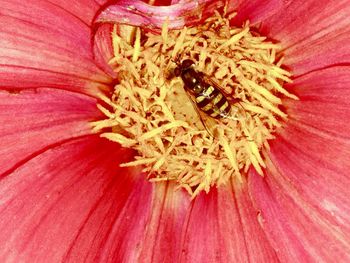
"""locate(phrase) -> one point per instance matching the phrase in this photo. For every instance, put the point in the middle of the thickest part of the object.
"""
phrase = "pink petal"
(297, 229)
(61, 205)
(222, 226)
(324, 103)
(304, 197)
(34, 120)
(103, 46)
(164, 226)
(315, 34)
(255, 11)
(48, 44)
(139, 13)
(148, 227)
(322, 173)
(278, 226)
(162, 238)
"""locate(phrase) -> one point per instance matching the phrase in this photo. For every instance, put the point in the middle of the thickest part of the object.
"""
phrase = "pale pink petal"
(304, 197)
(255, 11)
(297, 229)
(324, 101)
(103, 46)
(148, 227)
(222, 226)
(315, 34)
(49, 44)
(317, 165)
(60, 206)
(139, 13)
(167, 227)
(258, 247)
(162, 238)
(161, 2)
(280, 228)
(34, 120)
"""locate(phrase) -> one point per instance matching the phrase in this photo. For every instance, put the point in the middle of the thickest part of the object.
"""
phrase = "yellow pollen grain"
(255, 109)
(179, 43)
(144, 161)
(235, 38)
(137, 45)
(106, 112)
(165, 34)
(115, 137)
(115, 41)
(279, 88)
(150, 111)
(261, 90)
(229, 153)
(268, 105)
(207, 175)
(254, 161)
(161, 129)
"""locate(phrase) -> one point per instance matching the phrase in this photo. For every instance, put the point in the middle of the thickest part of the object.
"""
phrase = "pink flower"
(64, 198)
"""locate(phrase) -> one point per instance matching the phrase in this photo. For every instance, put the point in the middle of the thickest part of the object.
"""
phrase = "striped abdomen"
(207, 97)
(213, 102)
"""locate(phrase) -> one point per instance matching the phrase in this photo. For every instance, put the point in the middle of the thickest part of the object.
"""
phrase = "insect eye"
(177, 72)
(187, 63)
(197, 89)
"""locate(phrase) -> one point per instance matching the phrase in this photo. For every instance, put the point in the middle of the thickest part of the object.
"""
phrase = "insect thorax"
(192, 81)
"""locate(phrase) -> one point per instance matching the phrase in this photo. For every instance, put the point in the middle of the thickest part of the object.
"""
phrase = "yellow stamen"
(137, 45)
(151, 112)
(235, 38)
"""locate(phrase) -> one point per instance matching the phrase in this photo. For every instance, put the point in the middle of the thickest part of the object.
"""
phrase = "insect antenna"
(244, 110)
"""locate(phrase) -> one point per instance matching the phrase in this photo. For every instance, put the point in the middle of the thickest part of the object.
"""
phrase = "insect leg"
(199, 113)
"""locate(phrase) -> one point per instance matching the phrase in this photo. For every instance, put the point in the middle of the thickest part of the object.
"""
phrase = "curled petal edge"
(138, 13)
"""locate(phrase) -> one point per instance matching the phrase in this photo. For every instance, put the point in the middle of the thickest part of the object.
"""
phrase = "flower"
(64, 198)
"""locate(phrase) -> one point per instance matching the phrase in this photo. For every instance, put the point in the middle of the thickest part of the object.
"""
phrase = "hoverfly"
(207, 97)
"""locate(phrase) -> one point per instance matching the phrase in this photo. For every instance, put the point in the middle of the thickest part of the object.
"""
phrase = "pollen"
(150, 111)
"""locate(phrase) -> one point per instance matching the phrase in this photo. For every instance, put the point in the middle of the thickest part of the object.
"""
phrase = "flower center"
(179, 134)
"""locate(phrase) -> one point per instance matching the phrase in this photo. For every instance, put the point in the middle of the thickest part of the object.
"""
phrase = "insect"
(207, 97)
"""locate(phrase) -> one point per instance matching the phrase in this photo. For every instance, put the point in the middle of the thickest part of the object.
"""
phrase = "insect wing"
(208, 122)
(237, 112)
(218, 86)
